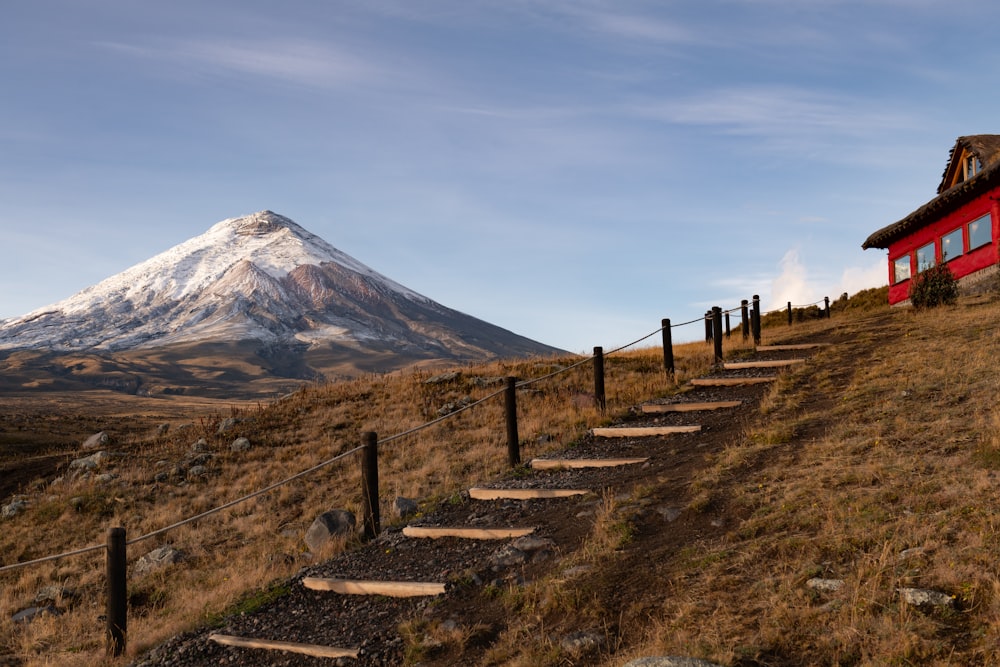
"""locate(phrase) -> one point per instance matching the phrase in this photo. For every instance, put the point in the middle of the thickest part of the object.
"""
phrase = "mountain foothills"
(254, 306)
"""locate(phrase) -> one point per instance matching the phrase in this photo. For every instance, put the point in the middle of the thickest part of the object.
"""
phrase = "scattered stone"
(669, 514)
(31, 613)
(718, 523)
(671, 661)
(581, 643)
(483, 383)
(101, 439)
(55, 594)
(201, 445)
(240, 445)
(403, 507)
(451, 376)
(576, 571)
(12, 509)
(106, 478)
(910, 553)
(88, 463)
(508, 556)
(157, 559)
(825, 585)
(449, 625)
(922, 597)
(162, 429)
(227, 424)
(455, 406)
(200, 459)
(328, 524)
(76, 502)
(161, 477)
(196, 471)
(530, 543)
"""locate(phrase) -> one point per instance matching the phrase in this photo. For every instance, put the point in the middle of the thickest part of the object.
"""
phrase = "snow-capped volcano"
(260, 278)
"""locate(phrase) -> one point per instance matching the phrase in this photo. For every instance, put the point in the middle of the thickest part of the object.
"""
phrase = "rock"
(328, 524)
(106, 478)
(920, 597)
(670, 661)
(531, 543)
(455, 406)
(669, 514)
(200, 459)
(825, 585)
(55, 594)
(483, 383)
(196, 471)
(581, 643)
(88, 463)
(162, 429)
(226, 424)
(31, 613)
(161, 477)
(157, 559)
(443, 377)
(403, 507)
(576, 571)
(101, 439)
(240, 445)
(12, 509)
(508, 556)
(201, 445)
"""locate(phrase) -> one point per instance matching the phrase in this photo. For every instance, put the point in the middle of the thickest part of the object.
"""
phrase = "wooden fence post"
(789, 313)
(599, 379)
(117, 603)
(668, 347)
(717, 332)
(826, 307)
(755, 320)
(369, 485)
(510, 405)
(708, 326)
(745, 324)
(728, 329)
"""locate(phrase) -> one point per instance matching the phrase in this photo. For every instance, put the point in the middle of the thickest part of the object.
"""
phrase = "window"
(972, 166)
(901, 269)
(925, 257)
(980, 232)
(951, 245)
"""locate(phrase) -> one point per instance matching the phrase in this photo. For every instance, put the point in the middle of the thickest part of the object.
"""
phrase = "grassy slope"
(874, 465)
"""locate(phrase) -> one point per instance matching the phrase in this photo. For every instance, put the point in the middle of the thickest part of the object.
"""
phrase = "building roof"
(953, 192)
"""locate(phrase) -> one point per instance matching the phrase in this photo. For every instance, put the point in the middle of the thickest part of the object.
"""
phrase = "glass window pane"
(901, 269)
(980, 232)
(925, 257)
(951, 245)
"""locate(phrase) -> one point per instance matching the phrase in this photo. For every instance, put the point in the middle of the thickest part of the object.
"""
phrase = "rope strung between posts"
(323, 464)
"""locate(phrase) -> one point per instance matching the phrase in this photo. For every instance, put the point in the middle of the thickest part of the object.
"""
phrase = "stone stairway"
(534, 510)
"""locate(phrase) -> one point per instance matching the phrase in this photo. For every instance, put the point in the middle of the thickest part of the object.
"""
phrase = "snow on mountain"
(258, 278)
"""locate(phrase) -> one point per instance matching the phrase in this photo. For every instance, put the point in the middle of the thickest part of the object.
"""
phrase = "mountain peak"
(260, 223)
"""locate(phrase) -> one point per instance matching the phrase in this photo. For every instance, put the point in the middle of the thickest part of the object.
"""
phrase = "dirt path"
(462, 626)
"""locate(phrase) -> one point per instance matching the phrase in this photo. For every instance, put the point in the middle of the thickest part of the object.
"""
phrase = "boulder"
(31, 613)
(922, 597)
(157, 559)
(403, 507)
(200, 445)
(101, 439)
(240, 445)
(508, 556)
(327, 525)
(88, 463)
(13, 508)
(450, 376)
(825, 585)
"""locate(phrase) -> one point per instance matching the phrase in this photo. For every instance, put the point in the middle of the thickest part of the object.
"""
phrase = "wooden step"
(789, 348)
(314, 650)
(773, 363)
(656, 408)
(477, 493)
(434, 532)
(641, 431)
(393, 589)
(729, 382)
(551, 464)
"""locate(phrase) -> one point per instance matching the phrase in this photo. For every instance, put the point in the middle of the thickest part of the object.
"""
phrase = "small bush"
(935, 286)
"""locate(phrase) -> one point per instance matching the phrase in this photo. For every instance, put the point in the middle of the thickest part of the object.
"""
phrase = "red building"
(959, 226)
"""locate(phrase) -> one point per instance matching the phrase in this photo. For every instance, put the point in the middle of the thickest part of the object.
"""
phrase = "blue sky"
(570, 170)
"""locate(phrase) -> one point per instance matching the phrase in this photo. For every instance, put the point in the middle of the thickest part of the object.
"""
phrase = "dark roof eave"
(949, 199)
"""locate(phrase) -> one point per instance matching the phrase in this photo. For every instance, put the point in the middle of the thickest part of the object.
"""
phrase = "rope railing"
(598, 359)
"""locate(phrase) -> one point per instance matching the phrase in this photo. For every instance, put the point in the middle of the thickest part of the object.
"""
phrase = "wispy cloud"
(296, 62)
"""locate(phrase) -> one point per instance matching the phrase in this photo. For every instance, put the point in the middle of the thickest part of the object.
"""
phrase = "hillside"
(873, 464)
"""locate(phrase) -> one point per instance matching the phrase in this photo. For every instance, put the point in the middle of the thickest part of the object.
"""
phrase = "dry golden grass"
(232, 554)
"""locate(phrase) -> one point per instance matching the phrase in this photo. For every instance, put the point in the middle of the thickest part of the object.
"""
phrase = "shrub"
(933, 287)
